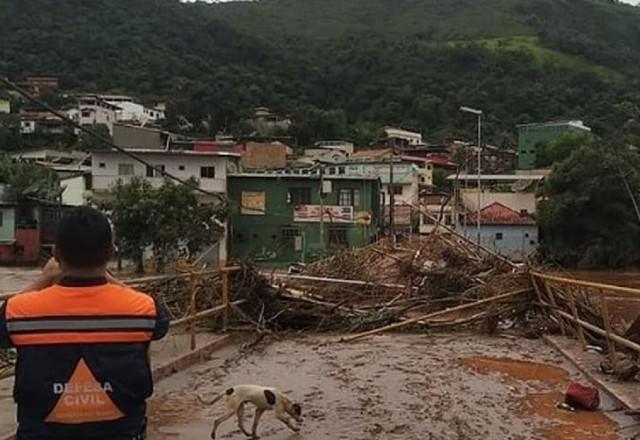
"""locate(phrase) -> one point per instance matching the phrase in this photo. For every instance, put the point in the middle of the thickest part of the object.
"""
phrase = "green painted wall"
(262, 238)
(530, 135)
(7, 225)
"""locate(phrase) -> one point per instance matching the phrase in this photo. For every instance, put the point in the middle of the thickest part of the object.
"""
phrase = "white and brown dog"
(264, 399)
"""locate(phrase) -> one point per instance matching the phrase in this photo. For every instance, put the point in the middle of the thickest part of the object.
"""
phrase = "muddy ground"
(393, 387)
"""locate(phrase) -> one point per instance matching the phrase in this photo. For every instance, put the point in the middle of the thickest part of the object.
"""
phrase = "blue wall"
(517, 242)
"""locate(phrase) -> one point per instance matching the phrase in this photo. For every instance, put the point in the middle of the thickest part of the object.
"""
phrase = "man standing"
(82, 340)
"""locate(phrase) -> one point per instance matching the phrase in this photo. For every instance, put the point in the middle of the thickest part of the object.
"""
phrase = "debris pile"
(386, 282)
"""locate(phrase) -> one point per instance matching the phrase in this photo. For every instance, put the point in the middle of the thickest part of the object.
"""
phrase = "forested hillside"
(345, 66)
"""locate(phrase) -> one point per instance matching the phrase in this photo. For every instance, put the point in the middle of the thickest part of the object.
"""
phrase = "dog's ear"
(297, 409)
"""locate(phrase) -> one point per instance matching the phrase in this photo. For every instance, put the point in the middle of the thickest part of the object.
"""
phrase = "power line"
(104, 140)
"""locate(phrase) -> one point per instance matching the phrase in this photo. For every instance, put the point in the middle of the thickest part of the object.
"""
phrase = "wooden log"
(204, 314)
(574, 312)
(338, 281)
(624, 292)
(225, 300)
(440, 313)
(597, 330)
(465, 239)
(192, 309)
(611, 347)
(552, 298)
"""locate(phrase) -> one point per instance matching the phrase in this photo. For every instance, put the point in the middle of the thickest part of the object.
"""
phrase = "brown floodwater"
(547, 380)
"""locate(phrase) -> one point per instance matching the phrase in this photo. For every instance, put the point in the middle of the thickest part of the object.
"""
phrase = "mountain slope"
(345, 65)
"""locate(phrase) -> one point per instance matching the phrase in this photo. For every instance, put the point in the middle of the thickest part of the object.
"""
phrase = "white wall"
(106, 176)
(75, 191)
(132, 111)
(97, 115)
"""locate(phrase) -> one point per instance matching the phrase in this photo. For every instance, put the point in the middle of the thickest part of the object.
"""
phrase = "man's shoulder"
(131, 297)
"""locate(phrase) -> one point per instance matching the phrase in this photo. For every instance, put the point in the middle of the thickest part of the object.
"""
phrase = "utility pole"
(479, 171)
(392, 198)
(322, 204)
(478, 113)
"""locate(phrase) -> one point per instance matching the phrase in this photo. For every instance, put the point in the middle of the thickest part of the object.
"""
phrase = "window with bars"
(125, 169)
(208, 172)
(338, 237)
(289, 238)
(300, 196)
(153, 171)
(349, 197)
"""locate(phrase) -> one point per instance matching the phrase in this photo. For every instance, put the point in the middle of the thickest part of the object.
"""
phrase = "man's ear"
(110, 252)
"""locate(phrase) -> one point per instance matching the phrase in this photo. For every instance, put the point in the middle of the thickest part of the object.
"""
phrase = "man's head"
(84, 240)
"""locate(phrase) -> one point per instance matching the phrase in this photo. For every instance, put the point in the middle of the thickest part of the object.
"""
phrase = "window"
(331, 170)
(102, 165)
(498, 235)
(396, 190)
(289, 235)
(125, 169)
(341, 170)
(181, 168)
(349, 197)
(208, 172)
(86, 113)
(338, 237)
(153, 172)
(299, 196)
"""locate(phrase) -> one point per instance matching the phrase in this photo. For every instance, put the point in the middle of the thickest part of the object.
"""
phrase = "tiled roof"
(499, 214)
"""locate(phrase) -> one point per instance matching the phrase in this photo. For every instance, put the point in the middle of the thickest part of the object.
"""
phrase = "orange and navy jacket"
(82, 356)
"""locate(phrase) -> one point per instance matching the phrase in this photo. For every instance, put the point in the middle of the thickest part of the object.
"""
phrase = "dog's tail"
(215, 400)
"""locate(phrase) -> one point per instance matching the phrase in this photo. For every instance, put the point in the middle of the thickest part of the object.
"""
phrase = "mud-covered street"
(419, 387)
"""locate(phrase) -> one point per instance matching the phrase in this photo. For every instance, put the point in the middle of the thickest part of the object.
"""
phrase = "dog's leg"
(221, 419)
(240, 414)
(256, 420)
(286, 421)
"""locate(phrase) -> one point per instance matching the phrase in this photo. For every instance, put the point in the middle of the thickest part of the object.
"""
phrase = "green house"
(530, 135)
(276, 218)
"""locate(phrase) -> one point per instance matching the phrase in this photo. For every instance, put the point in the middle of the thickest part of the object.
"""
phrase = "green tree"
(131, 208)
(548, 153)
(164, 219)
(29, 180)
(588, 216)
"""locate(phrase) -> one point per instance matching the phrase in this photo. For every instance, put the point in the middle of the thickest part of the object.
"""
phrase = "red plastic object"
(581, 397)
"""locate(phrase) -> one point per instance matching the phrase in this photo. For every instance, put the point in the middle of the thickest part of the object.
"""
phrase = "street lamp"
(478, 113)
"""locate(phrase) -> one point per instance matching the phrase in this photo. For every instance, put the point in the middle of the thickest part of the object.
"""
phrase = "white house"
(345, 146)
(93, 110)
(131, 111)
(209, 167)
(406, 136)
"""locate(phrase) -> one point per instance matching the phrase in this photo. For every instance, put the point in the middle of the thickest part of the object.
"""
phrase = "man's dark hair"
(84, 238)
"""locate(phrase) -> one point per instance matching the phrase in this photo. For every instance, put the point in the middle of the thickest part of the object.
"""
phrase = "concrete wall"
(517, 242)
(105, 168)
(7, 224)
(264, 156)
(125, 136)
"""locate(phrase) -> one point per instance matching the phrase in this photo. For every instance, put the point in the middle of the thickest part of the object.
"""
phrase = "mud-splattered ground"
(393, 387)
